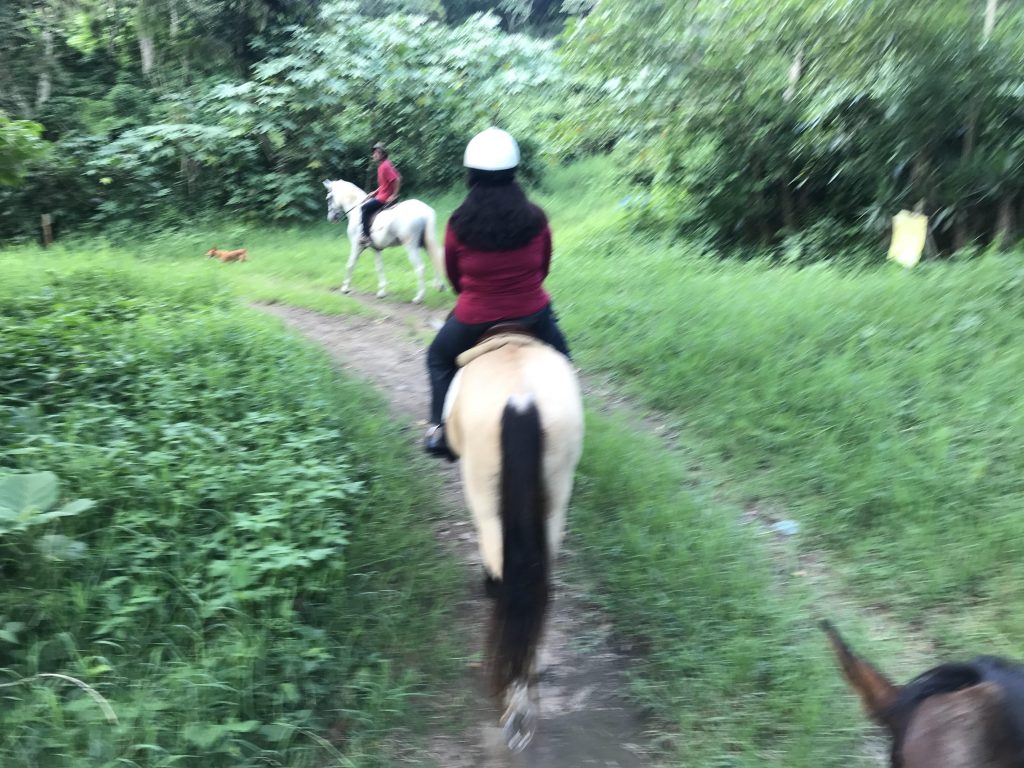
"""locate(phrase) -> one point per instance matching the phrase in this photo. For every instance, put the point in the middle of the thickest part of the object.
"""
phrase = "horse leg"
(559, 492)
(519, 721)
(353, 257)
(382, 283)
(434, 252)
(417, 265)
(489, 532)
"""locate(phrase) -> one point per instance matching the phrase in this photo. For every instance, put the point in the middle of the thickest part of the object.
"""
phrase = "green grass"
(729, 656)
(880, 406)
(254, 581)
(877, 407)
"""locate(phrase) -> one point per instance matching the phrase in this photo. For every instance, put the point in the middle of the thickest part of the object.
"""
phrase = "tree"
(753, 121)
(20, 144)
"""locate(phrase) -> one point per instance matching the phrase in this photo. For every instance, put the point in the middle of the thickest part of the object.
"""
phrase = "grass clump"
(728, 655)
(879, 406)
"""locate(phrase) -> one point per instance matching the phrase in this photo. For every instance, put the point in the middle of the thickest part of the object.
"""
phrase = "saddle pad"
(493, 343)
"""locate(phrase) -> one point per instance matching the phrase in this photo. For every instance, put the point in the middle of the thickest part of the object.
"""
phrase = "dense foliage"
(194, 534)
(802, 122)
(799, 125)
(19, 144)
(193, 126)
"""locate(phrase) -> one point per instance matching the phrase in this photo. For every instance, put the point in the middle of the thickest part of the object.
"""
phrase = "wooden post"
(47, 230)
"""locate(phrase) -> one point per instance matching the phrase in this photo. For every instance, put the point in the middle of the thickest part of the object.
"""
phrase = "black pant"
(454, 338)
(370, 207)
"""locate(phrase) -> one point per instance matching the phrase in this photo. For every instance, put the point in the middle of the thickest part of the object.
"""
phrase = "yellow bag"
(909, 231)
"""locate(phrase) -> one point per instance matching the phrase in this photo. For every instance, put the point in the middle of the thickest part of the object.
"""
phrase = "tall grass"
(729, 656)
(880, 407)
(876, 407)
(255, 579)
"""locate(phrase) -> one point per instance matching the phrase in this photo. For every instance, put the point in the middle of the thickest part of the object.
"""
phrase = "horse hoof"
(417, 299)
(519, 729)
(381, 294)
(346, 289)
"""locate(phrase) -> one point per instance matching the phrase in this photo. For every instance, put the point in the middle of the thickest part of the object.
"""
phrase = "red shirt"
(498, 285)
(387, 180)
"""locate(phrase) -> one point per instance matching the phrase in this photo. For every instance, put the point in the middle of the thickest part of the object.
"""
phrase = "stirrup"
(435, 444)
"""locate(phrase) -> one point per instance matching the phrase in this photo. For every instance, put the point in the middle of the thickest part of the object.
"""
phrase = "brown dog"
(240, 255)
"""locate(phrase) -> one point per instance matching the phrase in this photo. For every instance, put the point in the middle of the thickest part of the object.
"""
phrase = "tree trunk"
(919, 170)
(795, 70)
(787, 206)
(147, 52)
(1005, 224)
(44, 87)
(991, 7)
(175, 21)
(174, 30)
(961, 234)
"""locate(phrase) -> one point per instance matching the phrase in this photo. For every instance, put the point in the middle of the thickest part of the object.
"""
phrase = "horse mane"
(348, 189)
(947, 678)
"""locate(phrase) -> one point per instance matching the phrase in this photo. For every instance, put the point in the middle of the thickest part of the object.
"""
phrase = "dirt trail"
(585, 721)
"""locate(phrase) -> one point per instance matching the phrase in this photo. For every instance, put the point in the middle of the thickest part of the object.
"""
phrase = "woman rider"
(497, 254)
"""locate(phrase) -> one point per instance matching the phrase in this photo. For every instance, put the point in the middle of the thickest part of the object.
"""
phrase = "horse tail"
(428, 240)
(523, 594)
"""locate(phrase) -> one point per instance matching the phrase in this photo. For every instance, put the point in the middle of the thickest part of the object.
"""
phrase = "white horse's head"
(342, 197)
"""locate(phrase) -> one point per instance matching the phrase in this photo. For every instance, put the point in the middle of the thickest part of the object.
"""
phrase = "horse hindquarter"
(514, 417)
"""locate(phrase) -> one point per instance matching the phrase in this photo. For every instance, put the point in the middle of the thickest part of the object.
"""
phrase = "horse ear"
(327, 184)
(876, 691)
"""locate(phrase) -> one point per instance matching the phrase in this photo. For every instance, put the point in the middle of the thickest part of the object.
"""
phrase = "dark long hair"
(496, 216)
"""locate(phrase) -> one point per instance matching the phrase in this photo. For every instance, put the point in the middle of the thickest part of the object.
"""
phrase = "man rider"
(388, 183)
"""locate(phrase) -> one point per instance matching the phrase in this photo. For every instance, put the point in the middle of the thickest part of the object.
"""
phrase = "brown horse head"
(961, 715)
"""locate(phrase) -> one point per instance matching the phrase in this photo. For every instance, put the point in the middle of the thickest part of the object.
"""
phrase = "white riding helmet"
(492, 150)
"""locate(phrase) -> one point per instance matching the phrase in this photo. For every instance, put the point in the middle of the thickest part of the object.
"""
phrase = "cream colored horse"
(410, 223)
(514, 417)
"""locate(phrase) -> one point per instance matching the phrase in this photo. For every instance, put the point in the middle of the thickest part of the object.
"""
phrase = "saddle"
(498, 336)
(384, 207)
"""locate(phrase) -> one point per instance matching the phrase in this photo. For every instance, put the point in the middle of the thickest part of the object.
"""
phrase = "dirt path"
(585, 720)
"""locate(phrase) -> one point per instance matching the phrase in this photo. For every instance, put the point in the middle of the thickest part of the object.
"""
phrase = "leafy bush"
(310, 108)
(19, 143)
(244, 582)
(774, 116)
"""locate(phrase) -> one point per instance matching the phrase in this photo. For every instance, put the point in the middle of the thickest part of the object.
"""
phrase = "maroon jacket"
(498, 285)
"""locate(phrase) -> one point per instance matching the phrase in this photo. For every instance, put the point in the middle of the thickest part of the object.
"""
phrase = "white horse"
(410, 223)
(514, 417)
